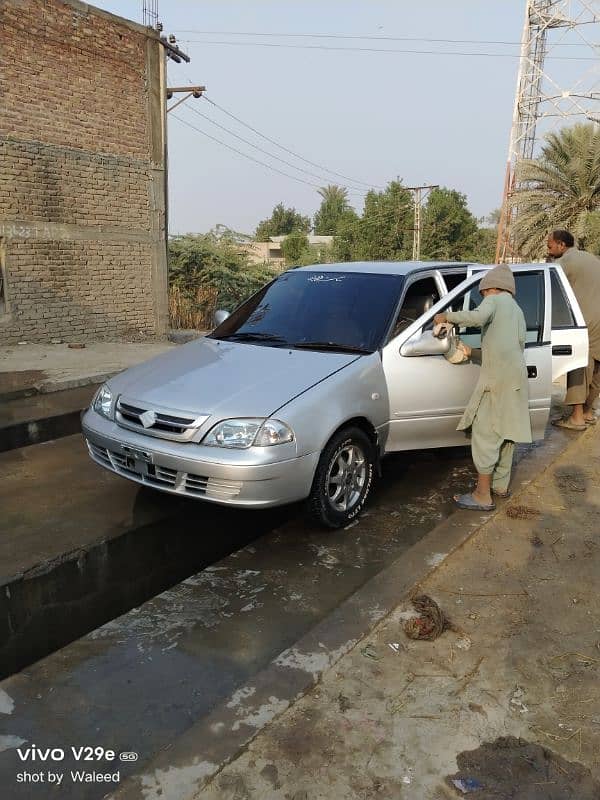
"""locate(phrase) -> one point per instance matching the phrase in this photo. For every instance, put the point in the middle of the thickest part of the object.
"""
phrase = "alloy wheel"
(346, 478)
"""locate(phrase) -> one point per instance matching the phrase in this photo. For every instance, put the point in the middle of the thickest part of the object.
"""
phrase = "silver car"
(303, 389)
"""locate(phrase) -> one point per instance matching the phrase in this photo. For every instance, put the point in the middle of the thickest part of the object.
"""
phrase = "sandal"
(591, 421)
(502, 495)
(568, 424)
(468, 502)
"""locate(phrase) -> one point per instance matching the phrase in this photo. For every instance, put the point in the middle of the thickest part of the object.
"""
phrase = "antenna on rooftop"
(150, 13)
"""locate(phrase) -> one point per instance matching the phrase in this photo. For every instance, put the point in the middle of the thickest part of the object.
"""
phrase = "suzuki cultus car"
(302, 390)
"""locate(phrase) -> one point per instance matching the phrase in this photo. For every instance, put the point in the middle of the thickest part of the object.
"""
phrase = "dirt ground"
(505, 705)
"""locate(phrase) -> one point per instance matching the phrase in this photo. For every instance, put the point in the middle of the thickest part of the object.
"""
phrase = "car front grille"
(178, 426)
(172, 480)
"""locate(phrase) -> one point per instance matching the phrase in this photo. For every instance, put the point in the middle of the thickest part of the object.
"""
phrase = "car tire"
(342, 479)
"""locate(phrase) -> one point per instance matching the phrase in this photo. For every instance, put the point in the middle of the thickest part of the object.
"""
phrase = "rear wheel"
(343, 478)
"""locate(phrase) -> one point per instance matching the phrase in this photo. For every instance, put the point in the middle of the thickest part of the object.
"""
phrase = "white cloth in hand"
(457, 354)
(442, 329)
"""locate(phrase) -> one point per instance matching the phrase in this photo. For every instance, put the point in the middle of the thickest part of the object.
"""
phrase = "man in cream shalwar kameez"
(583, 385)
(498, 411)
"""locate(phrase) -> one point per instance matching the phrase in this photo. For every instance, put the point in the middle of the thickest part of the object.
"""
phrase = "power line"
(286, 149)
(364, 37)
(384, 50)
(360, 221)
(245, 155)
(262, 150)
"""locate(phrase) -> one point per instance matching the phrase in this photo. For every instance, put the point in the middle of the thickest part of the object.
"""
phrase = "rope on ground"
(431, 621)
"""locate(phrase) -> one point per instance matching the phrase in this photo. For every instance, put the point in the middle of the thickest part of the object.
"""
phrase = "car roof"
(383, 267)
(403, 267)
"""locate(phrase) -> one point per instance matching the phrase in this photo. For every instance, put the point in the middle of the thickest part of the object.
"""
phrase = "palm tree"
(333, 194)
(559, 189)
(333, 207)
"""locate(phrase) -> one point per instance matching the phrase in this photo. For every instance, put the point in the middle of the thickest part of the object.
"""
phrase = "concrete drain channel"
(59, 602)
(68, 569)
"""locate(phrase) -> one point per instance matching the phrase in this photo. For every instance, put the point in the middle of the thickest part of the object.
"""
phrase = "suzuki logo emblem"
(148, 418)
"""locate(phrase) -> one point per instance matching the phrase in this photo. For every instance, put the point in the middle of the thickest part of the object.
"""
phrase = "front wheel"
(343, 478)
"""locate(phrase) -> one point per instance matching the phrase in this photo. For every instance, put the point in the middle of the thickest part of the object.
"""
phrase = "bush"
(205, 274)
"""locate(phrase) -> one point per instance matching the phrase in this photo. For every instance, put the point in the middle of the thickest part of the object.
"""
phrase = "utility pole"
(188, 91)
(548, 95)
(420, 192)
(169, 51)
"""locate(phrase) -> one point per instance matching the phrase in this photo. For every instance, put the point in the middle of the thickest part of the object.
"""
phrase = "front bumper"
(248, 478)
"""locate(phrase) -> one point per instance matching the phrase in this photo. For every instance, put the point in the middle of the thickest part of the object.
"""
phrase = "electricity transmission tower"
(558, 82)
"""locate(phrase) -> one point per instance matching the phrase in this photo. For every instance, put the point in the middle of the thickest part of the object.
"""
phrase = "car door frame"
(409, 280)
(570, 343)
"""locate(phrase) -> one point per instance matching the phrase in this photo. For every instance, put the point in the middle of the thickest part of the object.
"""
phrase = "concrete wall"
(82, 175)
(263, 252)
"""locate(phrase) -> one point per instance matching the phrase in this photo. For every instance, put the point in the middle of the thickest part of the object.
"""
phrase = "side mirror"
(220, 316)
(425, 344)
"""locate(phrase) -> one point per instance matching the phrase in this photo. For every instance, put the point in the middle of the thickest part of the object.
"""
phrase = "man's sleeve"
(567, 267)
(473, 319)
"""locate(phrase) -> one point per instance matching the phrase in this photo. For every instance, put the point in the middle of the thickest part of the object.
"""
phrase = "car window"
(453, 279)
(304, 306)
(420, 296)
(529, 295)
(562, 314)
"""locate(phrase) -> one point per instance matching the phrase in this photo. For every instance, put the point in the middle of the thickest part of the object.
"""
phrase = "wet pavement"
(504, 704)
(144, 678)
(141, 680)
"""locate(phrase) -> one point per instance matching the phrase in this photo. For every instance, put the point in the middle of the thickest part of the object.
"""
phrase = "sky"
(371, 117)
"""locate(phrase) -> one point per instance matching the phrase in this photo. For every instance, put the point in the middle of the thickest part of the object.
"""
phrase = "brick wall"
(81, 175)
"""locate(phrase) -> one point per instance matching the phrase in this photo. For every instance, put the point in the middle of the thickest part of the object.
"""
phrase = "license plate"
(137, 455)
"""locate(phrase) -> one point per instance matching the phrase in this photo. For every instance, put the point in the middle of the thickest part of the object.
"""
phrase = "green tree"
(559, 188)
(295, 248)
(384, 232)
(333, 209)
(299, 253)
(345, 242)
(483, 248)
(493, 218)
(450, 231)
(592, 232)
(282, 222)
(206, 273)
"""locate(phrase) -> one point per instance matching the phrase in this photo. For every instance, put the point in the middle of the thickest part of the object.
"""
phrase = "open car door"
(570, 345)
(428, 395)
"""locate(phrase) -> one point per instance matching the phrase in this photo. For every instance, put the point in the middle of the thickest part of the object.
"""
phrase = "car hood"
(227, 379)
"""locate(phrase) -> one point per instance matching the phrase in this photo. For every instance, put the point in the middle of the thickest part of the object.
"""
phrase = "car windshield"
(345, 311)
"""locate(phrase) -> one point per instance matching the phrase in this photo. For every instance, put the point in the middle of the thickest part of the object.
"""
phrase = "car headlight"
(243, 433)
(103, 402)
(273, 432)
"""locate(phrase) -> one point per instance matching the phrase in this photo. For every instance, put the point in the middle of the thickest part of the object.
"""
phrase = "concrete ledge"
(68, 560)
(186, 766)
(40, 418)
(30, 369)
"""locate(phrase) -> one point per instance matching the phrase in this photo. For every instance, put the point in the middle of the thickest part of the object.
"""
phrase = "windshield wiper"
(342, 348)
(248, 336)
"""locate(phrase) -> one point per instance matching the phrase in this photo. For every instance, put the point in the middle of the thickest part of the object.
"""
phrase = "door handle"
(531, 372)
(562, 350)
